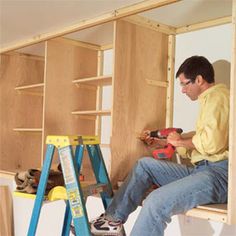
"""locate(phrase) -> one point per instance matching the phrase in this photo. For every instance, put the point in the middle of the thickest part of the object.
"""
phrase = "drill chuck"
(163, 133)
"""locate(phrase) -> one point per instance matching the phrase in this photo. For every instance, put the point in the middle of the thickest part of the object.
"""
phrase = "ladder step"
(94, 189)
(59, 192)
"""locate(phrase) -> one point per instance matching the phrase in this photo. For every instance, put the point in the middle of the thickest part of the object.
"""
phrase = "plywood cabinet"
(140, 57)
(22, 86)
(64, 96)
(65, 63)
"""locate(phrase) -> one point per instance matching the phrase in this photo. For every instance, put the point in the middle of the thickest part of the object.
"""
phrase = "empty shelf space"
(97, 81)
(36, 89)
(94, 113)
(28, 129)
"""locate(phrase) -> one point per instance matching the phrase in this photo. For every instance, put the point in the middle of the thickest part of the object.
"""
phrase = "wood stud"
(232, 127)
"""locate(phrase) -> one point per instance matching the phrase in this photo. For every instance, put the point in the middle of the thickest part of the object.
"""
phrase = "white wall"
(106, 105)
(215, 44)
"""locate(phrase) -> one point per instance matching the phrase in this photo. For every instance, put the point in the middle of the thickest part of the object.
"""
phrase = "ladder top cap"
(71, 140)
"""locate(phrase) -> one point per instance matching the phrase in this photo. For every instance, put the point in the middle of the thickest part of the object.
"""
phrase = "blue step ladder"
(71, 160)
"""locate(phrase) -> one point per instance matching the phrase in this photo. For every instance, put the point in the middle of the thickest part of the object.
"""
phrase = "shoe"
(105, 227)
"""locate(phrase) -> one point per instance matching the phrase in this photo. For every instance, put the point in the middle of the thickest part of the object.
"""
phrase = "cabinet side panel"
(20, 150)
(66, 62)
(140, 56)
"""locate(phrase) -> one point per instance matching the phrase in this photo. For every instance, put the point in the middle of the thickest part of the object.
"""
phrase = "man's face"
(192, 90)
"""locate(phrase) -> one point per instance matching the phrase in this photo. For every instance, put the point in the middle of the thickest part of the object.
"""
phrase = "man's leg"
(146, 172)
(205, 185)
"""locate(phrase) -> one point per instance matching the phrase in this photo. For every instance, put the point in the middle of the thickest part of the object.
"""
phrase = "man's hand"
(174, 138)
(145, 137)
(150, 141)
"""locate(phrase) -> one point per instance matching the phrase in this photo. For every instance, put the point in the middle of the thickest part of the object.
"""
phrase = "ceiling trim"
(151, 24)
(111, 16)
(203, 25)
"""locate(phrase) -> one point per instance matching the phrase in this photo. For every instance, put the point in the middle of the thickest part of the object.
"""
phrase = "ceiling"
(189, 12)
(22, 20)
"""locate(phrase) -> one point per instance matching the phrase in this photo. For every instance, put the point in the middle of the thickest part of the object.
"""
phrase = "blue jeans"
(181, 188)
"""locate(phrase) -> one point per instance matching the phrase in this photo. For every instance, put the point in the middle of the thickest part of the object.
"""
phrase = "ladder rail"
(79, 150)
(74, 191)
(41, 190)
(100, 172)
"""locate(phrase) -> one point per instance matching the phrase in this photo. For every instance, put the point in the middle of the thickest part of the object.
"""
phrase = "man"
(180, 187)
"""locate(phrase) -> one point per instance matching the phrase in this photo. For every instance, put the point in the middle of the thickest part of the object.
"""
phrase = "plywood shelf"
(93, 113)
(34, 89)
(222, 208)
(28, 129)
(96, 81)
(216, 212)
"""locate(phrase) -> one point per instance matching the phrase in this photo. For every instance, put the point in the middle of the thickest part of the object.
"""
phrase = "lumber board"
(107, 17)
(6, 212)
(170, 79)
(232, 127)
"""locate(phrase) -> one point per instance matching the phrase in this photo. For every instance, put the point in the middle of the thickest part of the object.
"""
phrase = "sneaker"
(105, 227)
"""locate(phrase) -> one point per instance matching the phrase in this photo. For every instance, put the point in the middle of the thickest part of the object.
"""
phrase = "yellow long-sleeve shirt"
(212, 127)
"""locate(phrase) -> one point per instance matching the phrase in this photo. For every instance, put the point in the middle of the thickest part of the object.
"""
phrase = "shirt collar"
(209, 90)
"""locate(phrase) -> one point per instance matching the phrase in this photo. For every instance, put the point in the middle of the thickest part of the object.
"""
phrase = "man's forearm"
(178, 140)
(188, 135)
(185, 142)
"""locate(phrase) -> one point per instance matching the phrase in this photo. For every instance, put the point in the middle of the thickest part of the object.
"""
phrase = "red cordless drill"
(168, 151)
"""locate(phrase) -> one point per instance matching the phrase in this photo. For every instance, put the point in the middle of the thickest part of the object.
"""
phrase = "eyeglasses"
(185, 84)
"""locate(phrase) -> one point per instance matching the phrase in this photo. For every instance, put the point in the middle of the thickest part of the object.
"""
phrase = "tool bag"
(28, 181)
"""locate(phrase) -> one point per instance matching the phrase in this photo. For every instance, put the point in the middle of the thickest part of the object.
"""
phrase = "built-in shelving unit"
(144, 56)
(22, 87)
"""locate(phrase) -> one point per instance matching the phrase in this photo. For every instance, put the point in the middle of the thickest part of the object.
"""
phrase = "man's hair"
(197, 65)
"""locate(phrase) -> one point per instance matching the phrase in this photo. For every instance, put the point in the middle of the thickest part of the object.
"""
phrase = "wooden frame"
(232, 130)
(114, 15)
(6, 211)
(219, 213)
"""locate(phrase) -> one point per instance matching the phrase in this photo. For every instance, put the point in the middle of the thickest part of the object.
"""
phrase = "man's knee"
(142, 169)
(144, 164)
(144, 160)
